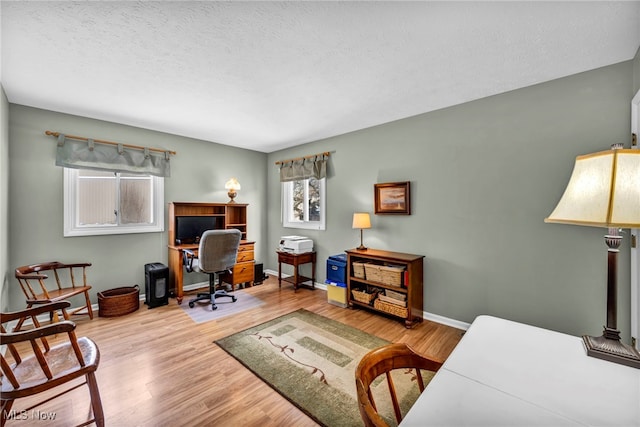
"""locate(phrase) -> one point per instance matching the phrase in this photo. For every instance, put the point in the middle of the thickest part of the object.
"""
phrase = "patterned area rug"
(202, 312)
(311, 361)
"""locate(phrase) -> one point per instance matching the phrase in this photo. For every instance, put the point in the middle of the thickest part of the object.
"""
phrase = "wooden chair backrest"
(381, 361)
(38, 350)
(28, 275)
(31, 365)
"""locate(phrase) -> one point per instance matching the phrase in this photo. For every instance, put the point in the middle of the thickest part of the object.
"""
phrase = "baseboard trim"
(446, 321)
(272, 272)
(425, 315)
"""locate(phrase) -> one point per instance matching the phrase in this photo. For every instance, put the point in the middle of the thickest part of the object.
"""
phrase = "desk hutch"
(232, 215)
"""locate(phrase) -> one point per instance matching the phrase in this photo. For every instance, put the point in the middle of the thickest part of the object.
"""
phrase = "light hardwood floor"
(159, 368)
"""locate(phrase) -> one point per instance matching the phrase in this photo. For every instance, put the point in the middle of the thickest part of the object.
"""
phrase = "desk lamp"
(232, 186)
(604, 191)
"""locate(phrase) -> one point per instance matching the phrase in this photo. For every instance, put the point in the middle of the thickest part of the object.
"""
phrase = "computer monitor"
(190, 228)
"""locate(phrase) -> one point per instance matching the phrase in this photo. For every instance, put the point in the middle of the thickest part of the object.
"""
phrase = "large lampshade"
(604, 191)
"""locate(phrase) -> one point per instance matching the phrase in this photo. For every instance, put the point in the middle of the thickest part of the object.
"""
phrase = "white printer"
(296, 244)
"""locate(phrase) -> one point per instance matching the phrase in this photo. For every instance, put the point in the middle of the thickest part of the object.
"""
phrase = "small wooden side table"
(295, 260)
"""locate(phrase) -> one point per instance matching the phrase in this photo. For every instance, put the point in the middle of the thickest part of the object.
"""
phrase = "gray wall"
(5, 277)
(198, 173)
(636, 72)
(484, 175)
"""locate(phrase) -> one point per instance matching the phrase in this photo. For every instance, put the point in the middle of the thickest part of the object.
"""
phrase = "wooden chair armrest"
(32, 334)
(34, 269)
(31, 302)
(34, 276)
(42, 307)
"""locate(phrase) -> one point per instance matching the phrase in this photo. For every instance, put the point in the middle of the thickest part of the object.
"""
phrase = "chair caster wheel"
(214, 307)
(191, 304)
(234, 299)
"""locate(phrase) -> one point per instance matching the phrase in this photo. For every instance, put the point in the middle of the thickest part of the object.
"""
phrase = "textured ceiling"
(270, 75)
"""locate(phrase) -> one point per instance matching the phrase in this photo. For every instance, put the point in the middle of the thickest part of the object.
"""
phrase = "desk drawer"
(243, 272)
(245, 247)
(244, 256)
(286, 258)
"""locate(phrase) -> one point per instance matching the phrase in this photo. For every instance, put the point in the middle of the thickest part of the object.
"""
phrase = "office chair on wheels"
(216, 255)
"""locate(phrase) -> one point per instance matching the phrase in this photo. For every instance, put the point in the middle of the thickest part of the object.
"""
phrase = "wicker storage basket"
(390, 300)
(358, 270)
(395, 295)
(390, 275)
(362, 296)
(387, 307)
(118, 301)
(372, 272)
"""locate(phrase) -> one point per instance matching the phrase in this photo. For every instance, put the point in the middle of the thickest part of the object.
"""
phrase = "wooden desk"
(504, 373)
(295, 260)
(227, 216)
(242, 272)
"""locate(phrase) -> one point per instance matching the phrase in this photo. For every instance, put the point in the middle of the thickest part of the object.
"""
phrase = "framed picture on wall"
(392, 198)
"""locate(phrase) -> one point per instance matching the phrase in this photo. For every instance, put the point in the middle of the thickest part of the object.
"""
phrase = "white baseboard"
(316, 285)
(271, 272)
(446, 321)
(426, 315)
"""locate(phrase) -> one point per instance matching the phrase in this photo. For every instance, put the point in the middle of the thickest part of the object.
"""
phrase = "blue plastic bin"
(337, 268)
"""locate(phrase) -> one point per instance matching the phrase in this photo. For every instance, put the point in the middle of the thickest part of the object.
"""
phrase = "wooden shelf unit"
(233, 215)
(411, 285)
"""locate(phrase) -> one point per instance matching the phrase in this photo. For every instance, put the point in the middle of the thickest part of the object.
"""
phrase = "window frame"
(70, 210)
(287, 209)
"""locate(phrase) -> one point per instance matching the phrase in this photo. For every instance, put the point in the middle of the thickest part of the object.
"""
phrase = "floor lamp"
(604, 191)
